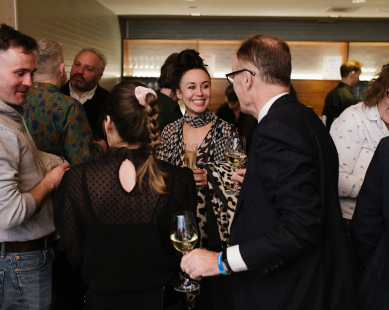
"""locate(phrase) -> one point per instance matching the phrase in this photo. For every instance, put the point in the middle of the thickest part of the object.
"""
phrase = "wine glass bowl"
(235, 153)
(184, 235)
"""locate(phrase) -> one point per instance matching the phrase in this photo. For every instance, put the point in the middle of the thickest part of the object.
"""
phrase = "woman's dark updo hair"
(137, 124)
(187, 60)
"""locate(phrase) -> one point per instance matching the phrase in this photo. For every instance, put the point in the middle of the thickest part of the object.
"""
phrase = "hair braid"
(152, 166)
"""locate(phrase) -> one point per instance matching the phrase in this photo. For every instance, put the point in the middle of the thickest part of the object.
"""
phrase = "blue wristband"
(220, 265)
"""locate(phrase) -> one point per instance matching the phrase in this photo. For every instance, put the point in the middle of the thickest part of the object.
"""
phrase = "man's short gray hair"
(48, 57)
(103, 59)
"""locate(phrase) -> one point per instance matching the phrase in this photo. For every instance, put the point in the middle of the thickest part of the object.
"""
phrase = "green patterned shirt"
(58, 124)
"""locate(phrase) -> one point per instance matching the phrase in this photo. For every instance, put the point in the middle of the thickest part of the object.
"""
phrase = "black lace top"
(121, 240)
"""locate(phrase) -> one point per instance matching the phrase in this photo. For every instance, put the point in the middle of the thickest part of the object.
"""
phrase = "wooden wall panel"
(313, 92)
(309, 92)
(218, 87)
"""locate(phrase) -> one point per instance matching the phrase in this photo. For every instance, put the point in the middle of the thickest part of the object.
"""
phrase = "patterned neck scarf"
(203, 119)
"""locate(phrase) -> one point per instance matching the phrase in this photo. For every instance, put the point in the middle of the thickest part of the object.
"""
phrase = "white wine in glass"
(190, 155)
(235, 158)
(184, 235)
(235, 154)
(183, 246)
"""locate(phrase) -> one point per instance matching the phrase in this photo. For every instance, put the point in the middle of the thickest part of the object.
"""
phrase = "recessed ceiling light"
(334, 16)
(358, 1)
(195, 14)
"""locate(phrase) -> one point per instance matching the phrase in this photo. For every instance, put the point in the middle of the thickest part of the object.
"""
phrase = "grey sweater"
(20, 170)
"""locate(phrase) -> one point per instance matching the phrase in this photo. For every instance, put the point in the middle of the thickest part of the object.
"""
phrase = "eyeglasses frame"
(239, 71)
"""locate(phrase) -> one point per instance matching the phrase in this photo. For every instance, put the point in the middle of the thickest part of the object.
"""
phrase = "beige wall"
(8, 12)
(75, 24)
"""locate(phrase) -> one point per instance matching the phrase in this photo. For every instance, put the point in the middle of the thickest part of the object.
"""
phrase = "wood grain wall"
(309, 92)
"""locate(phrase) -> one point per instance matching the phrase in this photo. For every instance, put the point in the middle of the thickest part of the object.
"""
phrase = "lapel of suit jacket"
(277, 104)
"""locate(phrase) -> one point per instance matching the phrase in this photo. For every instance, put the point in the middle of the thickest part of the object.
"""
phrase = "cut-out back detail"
(127, 175)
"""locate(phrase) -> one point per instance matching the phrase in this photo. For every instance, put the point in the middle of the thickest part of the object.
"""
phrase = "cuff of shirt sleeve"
(30, 205)
(235, 259)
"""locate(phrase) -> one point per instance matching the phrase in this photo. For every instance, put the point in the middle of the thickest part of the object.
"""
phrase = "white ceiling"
(294, 8)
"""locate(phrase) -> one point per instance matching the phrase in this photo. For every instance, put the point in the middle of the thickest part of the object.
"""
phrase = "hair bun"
(190, 59)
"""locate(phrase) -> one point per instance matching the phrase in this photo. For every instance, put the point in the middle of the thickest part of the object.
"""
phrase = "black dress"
(121, 240)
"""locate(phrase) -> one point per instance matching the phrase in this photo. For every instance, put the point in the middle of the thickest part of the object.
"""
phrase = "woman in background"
(356, 133)
(114, 214)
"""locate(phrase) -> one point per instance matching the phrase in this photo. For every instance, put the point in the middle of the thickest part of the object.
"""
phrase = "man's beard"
(84, 85)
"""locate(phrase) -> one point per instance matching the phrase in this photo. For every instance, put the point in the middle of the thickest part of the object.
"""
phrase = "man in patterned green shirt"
(58, 123)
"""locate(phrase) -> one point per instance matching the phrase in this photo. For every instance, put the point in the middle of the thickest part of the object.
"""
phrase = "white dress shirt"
(84, 97)
(356, 133)
(234, 257)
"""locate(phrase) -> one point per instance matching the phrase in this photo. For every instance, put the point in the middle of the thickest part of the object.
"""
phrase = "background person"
(26, 214)
(230, 112)
(121, 206)
(357, 133)
(57, 123)
(342, 96)
(170, 110)
(288, 249)
(87, 70)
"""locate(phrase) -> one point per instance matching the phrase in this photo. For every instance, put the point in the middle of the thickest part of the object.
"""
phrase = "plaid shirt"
(58, 124)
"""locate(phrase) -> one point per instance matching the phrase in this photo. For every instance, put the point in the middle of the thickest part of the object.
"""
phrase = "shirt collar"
(268, 105)
(373, 114)
(85, 96)
(341, 84)
(46, 86)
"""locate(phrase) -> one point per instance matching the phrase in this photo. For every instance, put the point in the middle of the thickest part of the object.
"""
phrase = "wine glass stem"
(186, 276)
(235, 186)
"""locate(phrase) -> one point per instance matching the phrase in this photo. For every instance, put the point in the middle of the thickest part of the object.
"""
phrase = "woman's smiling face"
(195, 91)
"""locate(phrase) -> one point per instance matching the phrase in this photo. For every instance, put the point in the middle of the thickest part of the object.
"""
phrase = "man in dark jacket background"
(87, 70)
(342, 96)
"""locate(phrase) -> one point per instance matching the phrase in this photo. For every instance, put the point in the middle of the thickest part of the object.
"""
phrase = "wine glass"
(184, 236)
(235, 154)
(190, 155)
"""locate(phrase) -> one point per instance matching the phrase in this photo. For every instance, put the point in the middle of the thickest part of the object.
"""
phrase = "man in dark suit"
(87, 70)
(288, 248)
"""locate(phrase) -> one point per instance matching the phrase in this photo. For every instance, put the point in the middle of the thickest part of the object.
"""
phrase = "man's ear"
(62, 69)
(99, 78)
(248, 80)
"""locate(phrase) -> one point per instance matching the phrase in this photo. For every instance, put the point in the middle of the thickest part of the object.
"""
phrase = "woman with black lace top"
(202, 127)
(114, 214)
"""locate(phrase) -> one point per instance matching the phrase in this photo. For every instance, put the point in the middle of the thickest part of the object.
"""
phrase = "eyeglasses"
(230, 76)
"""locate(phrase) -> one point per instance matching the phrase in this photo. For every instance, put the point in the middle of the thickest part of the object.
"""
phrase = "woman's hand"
(238, 177)
(200, 176)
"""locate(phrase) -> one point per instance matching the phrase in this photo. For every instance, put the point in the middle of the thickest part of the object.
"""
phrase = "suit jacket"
(288, 221)
(94, 107)
(370, 231)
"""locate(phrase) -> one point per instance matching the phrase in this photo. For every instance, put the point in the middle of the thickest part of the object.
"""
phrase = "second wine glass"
(184, 235)
(235, 154)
